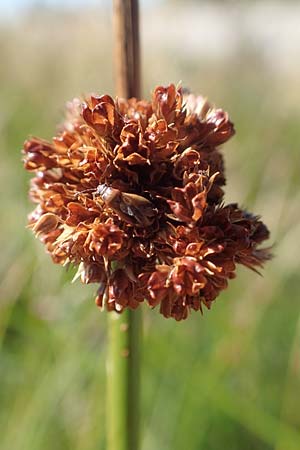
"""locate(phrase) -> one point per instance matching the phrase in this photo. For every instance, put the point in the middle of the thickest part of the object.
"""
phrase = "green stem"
(123, 376)
(123, 380)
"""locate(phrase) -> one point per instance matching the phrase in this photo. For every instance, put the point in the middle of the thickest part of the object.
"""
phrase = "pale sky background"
(214, 29)
(13, 8)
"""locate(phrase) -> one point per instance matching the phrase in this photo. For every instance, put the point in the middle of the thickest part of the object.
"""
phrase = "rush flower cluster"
(131, 192)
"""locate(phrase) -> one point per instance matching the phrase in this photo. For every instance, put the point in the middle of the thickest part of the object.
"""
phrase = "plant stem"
(123, 380)
(127, 48)
(123, 377)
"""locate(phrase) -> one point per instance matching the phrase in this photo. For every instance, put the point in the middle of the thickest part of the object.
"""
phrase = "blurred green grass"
(227, 380)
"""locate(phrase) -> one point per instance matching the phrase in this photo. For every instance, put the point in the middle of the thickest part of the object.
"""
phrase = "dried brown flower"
(132, 193)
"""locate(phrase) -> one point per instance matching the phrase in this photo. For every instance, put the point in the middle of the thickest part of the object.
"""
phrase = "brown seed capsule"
(46, 223)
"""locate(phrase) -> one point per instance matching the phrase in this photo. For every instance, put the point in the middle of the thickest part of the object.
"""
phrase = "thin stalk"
(123, 365)
(127, 48)
(123, 373)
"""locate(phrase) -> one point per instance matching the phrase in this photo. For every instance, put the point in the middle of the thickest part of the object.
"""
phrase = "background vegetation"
(229, 380)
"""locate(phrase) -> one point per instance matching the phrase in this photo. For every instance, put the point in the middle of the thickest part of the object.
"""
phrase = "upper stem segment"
(127, 48)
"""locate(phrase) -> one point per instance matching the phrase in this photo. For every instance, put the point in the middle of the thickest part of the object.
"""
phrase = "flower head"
(131, 192)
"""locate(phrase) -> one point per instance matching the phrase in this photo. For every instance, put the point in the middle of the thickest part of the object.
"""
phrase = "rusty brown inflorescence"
(131, 192)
